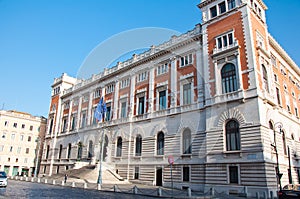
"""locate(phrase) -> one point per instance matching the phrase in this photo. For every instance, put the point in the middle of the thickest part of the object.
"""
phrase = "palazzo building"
(21, 142)
(222, 99)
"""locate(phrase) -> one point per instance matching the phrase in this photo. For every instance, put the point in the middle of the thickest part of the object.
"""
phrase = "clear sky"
(41, 39)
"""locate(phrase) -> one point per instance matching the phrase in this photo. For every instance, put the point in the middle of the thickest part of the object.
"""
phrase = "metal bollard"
(159, 192)
(45, 181)
(98, 186)
(62, 183)
(53, 182)
(39, 180)
(213, 191)
(73, 184)
(26, 178)
(189, 192)
(135, 189)
(32, 179)
(115, 188)
(85, 185)
(271, 194)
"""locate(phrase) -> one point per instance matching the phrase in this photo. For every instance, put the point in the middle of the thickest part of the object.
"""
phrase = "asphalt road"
(21, 189)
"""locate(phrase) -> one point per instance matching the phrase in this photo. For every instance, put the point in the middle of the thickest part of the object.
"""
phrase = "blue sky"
(41, 39)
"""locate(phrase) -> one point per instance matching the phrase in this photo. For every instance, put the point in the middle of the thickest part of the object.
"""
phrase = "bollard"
(26, 178)
(45, 181)
(213, 191)
(271, 194)
(98, 186)
(85, 185)
(264, 195)
(62, 183)
(189, 192)
(73, 184)
(21, 178)
(39, 180)
(159, 191)
(135, 189)
(53, 182)
(32, 179)
(115, 188)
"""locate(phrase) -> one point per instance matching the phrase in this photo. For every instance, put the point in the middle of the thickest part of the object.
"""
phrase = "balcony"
(236, 95)
(225, 49)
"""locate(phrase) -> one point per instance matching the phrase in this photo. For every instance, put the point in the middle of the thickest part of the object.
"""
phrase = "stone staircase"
(90, 174)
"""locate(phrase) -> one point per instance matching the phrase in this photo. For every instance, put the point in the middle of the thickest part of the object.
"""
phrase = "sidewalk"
(129, 188)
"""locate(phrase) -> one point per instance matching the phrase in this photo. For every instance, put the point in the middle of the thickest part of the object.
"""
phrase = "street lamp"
(278, 174)
(99, 181)
(37, 156)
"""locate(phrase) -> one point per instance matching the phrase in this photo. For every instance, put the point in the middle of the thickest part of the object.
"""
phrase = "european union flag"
(100, 110)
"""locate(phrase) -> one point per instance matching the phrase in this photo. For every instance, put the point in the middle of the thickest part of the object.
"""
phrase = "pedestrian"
(66, 177)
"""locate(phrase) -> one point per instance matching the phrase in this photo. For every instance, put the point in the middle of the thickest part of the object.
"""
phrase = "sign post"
(171, 162)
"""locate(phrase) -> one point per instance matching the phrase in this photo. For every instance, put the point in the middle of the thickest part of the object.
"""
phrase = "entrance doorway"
(159, 176)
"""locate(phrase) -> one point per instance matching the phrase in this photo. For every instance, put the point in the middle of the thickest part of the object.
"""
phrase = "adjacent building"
(21, 142)
(222, 99)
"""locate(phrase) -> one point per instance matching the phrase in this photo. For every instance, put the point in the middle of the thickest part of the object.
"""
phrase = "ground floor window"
(136, 173)
(233, 175)
(186, 174)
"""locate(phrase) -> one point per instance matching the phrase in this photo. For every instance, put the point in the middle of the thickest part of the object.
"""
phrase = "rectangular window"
(136, 173)
(83, 119)
(110, 88)
(123, 109)
(278, 96)
(187, 94)
(97, 93)
(124, 83)
(31, 128)
(23, 126)
(225, 41)
(186, 174)
(94, 120)
(142, 76)
(162, 100)
(73, 124)
(6, 123)
(64, 125)
(231, 4)
(222, 7)
(13, 136)
(108, 113)
(162, 69)
(296, 111)
(10, 149)
(21, 137)
(185, 60)
(141, 108)
(233, 175)
(213, 12)
(27, 151)
(19, 150)
(15, 125)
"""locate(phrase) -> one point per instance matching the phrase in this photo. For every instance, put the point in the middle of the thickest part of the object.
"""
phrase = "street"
(21, 189)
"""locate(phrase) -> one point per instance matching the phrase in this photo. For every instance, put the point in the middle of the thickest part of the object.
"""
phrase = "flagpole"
(101, 157)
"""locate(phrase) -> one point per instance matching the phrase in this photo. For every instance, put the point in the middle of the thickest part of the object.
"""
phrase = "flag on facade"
(100, 110)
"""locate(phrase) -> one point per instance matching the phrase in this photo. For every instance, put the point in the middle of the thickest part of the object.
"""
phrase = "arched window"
(160, 143)
(119, 147)
(265, 78)
(138, 145)
(69, 150)
(186, 142)
(232, 136)
(60, 151)
(91, 150)
(79, 153)
(229, 81)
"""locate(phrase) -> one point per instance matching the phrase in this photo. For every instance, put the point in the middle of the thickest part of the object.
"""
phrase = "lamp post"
(37, 156)
(99, 181)
(278, 174)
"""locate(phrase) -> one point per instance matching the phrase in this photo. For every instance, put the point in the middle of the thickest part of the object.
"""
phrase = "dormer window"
(222, 8)
(231, 4)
